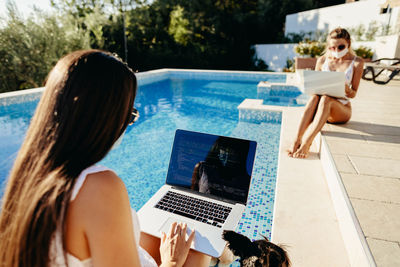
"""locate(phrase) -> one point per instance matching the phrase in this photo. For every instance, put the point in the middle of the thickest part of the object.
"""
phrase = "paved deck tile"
(386, 254)
(343, 164)
(378, 220)
(366, 151)
(372, 187)
(376, 166)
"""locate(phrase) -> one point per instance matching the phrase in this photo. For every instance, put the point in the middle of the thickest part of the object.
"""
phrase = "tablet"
(330, 83)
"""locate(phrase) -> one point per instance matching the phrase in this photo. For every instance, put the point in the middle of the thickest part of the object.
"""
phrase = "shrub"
(30, 48)
(364, 52)
(310, 48)
(289, 67)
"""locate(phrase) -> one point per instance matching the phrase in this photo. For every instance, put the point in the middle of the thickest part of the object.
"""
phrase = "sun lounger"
(377, 68)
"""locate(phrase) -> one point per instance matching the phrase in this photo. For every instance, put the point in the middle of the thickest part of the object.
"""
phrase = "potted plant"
(308, 52)
(364, 52)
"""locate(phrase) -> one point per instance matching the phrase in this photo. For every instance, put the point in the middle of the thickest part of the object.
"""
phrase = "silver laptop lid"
(210, 164)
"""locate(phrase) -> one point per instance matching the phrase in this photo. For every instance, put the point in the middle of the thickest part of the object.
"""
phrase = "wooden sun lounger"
(377, 68)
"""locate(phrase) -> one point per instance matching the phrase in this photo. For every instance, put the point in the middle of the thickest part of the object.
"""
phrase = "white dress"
(56, 249)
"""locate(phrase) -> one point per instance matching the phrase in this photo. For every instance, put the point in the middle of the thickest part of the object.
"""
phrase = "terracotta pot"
(305, 62)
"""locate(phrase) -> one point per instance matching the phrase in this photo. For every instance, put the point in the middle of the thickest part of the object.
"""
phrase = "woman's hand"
(350, 93)
(174, 247)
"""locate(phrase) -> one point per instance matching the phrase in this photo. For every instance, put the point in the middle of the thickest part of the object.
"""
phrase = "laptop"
(330, 83)
(207, 186)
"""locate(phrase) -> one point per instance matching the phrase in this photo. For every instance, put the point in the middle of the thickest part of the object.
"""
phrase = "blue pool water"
(142, 158)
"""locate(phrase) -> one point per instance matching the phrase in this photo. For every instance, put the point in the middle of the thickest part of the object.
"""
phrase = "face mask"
(118, 142)
(340, 54)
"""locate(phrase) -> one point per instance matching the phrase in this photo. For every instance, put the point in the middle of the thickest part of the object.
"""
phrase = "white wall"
(344, 15)
(275, 55)
(325, 19)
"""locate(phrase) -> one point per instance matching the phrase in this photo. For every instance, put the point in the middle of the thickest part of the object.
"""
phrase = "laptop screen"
(212, 164)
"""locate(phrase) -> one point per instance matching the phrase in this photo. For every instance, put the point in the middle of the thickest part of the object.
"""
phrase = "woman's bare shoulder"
(321, 59)
(106, 220)
(103, 182)
(358, 62)
(320, 62)
(102, 189)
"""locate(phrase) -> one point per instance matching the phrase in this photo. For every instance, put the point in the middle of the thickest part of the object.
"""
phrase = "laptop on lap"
(330, 83)
(207, 185)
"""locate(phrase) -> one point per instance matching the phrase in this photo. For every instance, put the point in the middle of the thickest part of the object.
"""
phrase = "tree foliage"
(209, 34)
(29, 48)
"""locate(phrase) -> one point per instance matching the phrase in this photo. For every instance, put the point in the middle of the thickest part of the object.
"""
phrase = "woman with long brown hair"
(322, 109)
(59, 208)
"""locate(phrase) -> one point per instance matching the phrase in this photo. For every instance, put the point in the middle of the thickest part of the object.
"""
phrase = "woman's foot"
(296, 146)
(302, 152)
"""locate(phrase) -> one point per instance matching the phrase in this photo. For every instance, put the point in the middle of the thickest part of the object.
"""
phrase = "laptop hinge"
(205, 195)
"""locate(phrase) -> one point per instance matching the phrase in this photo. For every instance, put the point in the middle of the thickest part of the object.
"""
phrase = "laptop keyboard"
(194, 208)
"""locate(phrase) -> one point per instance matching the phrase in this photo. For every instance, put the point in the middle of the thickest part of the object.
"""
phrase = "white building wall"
(344, 15)
(325, 19)
(275, 55)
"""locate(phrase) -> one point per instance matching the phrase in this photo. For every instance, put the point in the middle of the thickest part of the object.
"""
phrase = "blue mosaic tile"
(279, 94)
(221, 75)
(144, 78)
(259, 116)
(257, 218)
(20, 98)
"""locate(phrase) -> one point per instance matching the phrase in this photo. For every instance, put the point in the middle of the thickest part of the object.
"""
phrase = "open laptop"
(322, 83)
(207, 186)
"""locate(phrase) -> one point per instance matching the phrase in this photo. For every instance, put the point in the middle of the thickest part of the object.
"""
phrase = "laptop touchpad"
(167, 225)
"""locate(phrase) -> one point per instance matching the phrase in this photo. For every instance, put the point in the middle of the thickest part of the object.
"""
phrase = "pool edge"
(354, 238)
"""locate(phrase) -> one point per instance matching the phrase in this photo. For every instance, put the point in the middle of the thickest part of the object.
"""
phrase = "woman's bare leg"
(196, 258)
(152, 245)
(306, 120)
(328, 109)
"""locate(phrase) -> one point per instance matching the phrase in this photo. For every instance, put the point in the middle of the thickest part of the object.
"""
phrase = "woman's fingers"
(191, 238)
(172, 229)
(183, 230)
(163, 237)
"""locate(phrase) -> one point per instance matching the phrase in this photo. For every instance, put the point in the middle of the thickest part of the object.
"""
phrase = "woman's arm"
(107, 221)
(355, 82)
(102, 214)
(320, 62)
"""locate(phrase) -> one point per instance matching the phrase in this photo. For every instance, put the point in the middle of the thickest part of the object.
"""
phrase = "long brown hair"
(85, 107)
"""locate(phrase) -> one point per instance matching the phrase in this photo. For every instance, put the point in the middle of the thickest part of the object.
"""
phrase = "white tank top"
(56, 248)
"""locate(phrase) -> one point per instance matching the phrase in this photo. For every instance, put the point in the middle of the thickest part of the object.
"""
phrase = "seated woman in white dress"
(59, 208)
(322, 109)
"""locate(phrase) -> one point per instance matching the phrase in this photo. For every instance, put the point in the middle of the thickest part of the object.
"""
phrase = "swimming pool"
(196, 101)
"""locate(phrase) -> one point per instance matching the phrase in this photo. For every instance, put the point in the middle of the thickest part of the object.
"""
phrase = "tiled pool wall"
(159, 75)
(16, 97)
(278, 90)
(253, 125)
(259, 116)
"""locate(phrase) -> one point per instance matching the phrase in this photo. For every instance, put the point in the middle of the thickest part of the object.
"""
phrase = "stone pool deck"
(364, 228)
(366, 152)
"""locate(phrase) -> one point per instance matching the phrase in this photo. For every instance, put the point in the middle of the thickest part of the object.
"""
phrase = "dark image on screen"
(210, 164)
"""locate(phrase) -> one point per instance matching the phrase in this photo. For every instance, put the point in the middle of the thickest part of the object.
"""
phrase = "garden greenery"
(309, 48)
(364, 52)
(206, 34)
